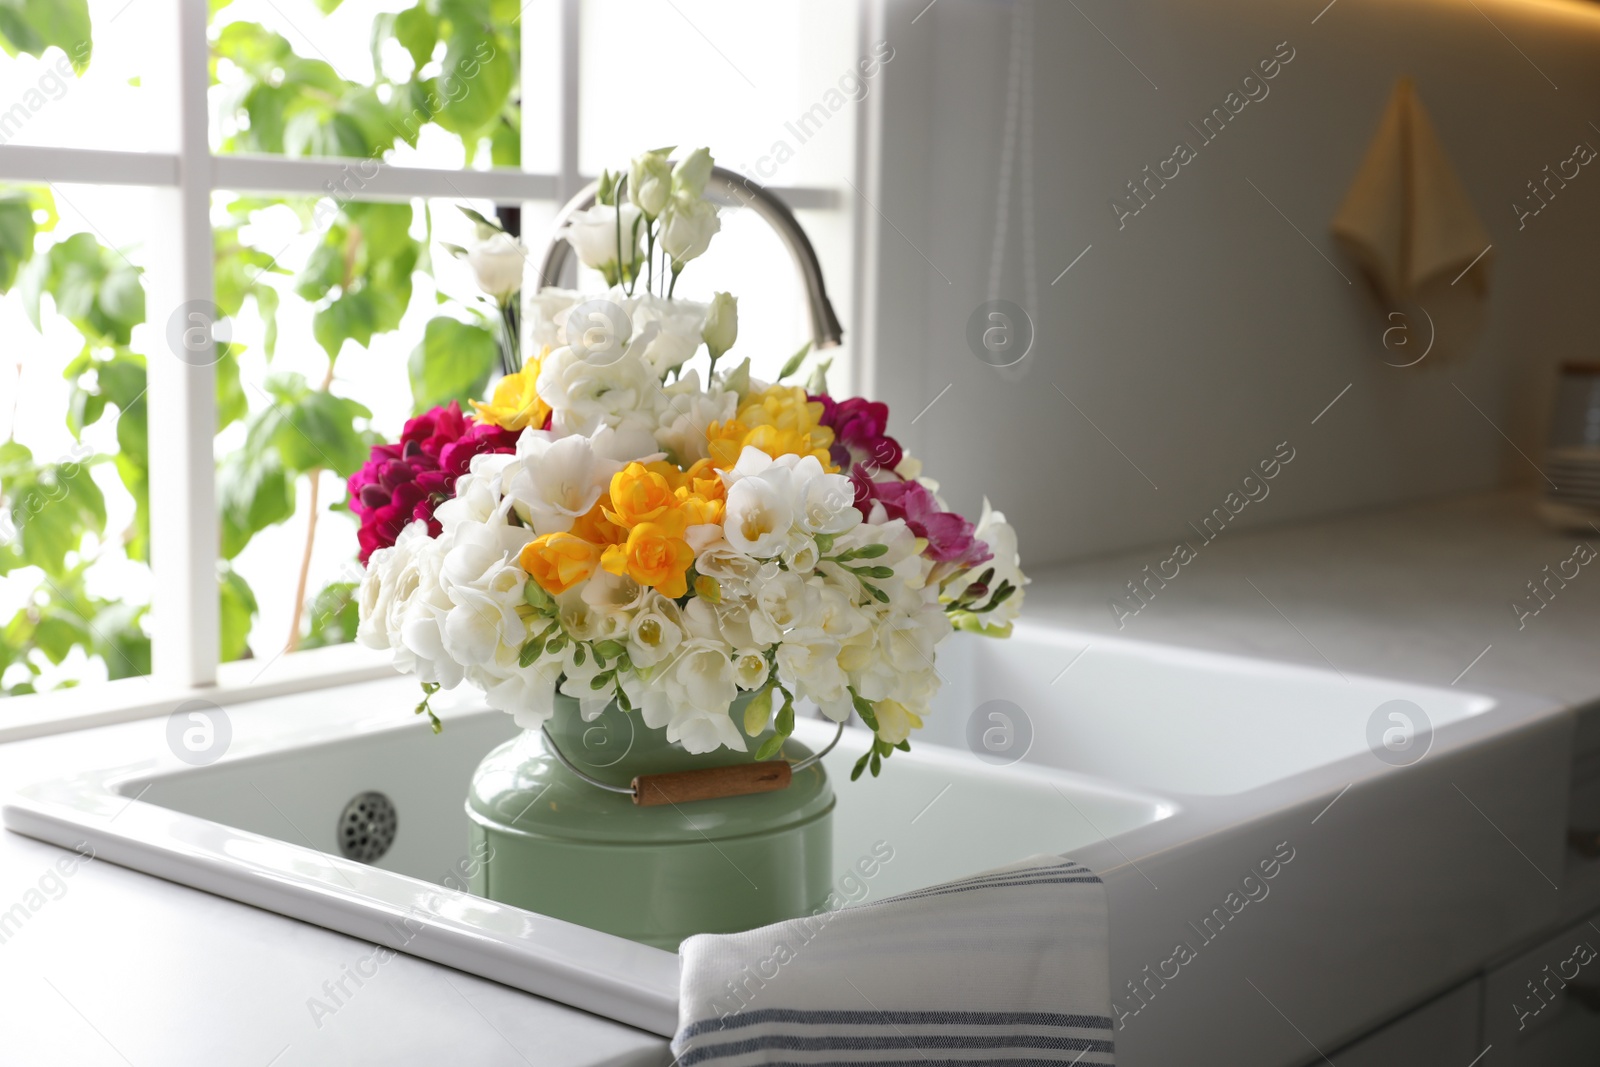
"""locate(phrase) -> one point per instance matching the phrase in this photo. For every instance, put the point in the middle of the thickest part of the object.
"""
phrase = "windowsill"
(139, 698)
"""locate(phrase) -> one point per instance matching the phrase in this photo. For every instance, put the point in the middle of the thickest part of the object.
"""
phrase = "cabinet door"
(1543, 1008)
(1442, 1031)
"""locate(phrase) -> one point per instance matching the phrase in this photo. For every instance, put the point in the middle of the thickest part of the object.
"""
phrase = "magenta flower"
(860, 448)
(407, 481)
(951, 538)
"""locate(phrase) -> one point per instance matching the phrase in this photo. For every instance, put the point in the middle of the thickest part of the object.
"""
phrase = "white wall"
(1207, 330)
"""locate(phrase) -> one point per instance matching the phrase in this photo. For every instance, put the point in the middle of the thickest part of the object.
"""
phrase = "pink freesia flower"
(859, 440)
(951, 538)
(407, 481)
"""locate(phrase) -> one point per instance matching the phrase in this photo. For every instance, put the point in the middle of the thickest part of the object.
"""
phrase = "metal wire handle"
(550, 743)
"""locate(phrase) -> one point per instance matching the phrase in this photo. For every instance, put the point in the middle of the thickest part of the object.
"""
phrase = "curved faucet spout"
(729, 187)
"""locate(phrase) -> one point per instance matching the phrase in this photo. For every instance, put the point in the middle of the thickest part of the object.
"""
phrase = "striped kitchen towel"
(1007, 967)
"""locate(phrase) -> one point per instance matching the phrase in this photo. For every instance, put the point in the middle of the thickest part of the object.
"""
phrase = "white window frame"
(181, 397)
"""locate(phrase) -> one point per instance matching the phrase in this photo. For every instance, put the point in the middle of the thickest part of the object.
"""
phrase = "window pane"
(774, 91)
(86, 89)
(375, 285)
(74, 535)
(741, 78)
(430, 92)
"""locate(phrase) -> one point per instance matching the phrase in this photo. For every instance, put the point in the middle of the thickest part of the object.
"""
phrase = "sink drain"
(367, 827)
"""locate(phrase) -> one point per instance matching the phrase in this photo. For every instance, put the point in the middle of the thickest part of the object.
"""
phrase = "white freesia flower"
(895, 720)
(478, 492)
(485, 590)
(594, 235)
(750, 668)
(387, 587)
(614, 594)
(655, 631)
(687, 229)
(687, 415)
(808, 664)
(760, 512)
(585, 395)
(545, 315)
(679, 324)
(785, 603)
(734, 571)
(497, 262)
(421, 648)
(837, 614)
(691, 696)
(527, 693)
(555, 482)
(584, 621)
(994, 531)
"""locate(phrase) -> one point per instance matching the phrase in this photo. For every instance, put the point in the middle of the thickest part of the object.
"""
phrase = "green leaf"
(478, 72)
(531, 651)
(94, 287)
(310, 429)
(52, 507)
(864, 708)
(794, 361)
(505, 143)
(334, 613)
(237, 612)
(769, 748)
(254, 492)
(31, 26)
(418, 32)
(16, 236)
(453, 362)
(232, 404)
(56, 636)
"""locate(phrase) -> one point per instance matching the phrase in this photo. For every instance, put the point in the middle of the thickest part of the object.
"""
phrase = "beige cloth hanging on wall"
(1408, 223)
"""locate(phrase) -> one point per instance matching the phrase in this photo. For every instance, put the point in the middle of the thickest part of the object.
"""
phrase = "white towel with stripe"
(1008, 967)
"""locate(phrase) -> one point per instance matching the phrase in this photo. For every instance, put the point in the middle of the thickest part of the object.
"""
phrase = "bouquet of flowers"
(612, 527)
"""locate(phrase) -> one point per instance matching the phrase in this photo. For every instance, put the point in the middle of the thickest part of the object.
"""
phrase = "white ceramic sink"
(259, 825)
(1175, 720)
(1172, 772)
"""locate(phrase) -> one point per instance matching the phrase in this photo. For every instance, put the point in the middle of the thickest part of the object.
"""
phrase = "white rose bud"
(722, 324)
(689, 177)
(497, 262)
(688, 229)
(593, 235)
(650, 183)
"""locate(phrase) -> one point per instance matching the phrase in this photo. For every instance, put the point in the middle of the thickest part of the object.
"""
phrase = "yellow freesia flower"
(779, 421)
(559, 561)
(516, 404)
(655, 554)
(639, 495)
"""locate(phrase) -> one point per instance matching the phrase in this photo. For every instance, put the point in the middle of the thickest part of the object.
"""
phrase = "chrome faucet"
(728, 187)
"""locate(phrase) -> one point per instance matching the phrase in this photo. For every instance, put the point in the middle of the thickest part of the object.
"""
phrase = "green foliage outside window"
(358, 281)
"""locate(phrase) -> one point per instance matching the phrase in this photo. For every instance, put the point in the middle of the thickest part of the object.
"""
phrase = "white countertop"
(1417, 593)
(114, 967)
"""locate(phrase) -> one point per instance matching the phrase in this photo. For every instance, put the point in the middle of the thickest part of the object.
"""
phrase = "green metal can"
(560, 846)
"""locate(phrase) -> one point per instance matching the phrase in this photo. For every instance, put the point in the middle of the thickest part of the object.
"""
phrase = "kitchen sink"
(1174, 773)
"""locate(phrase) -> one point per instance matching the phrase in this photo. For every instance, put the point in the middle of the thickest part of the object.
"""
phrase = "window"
(224, 274)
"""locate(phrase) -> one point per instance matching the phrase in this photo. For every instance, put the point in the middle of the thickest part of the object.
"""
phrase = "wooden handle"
(741, 779)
